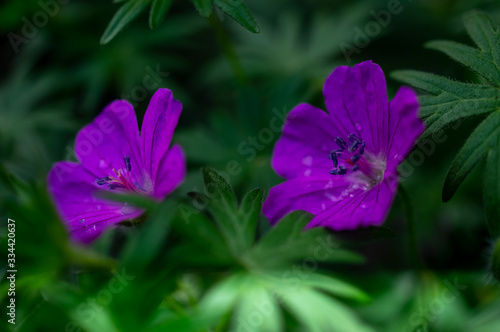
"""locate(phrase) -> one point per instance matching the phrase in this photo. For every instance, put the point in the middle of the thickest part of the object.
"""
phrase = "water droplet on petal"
(351, 195)
(363, 206)
(82, 221)
(308, 160)
(126, 210)
(307, 172)
(357, 126)
(103, 164)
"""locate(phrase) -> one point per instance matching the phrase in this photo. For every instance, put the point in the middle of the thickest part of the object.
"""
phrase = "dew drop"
(357, 126)
(307, 172)
(126, 210)
(363, 206)
(351, 195)
(103, 164)
(82, 221)
(308, 160)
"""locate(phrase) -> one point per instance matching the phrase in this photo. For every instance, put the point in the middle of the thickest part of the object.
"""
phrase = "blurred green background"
(232, 82)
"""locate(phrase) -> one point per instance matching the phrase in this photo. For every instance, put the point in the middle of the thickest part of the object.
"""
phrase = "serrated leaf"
(449, 101)
(158, 11)
(484, 33)
(123, 16)
(476, 60)
(204, 7)
(480, 142)
(237, 10)
(491, 182)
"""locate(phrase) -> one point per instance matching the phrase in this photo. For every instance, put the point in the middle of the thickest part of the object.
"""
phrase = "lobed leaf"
(204, 7)
(237, 10)
(476, 60)
(480, 143)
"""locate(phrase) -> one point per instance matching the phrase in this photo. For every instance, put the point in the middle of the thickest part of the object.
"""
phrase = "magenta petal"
(356, 99)
(112, 136)
(305, 144)
(359, 208)
(74, 191)
(311, 194)
(171, 172)
(157, 129)
(404, 125)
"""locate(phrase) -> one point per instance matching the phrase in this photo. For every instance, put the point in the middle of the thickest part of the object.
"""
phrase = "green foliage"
(449, 101)
(235, 9)
(265, 275)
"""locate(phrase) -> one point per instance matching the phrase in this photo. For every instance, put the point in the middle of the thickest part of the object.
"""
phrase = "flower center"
(121, 179)
(351, 158)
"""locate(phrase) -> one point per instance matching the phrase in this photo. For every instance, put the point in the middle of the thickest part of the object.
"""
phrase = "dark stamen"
(355, 158)
(355, 168)
(353, 146)
(333, 157)
(127, 163)
(115, 186)
(334, 172)
(341, 143)
(362, 148)
(354, 138)
(102, 181)
(342, 170)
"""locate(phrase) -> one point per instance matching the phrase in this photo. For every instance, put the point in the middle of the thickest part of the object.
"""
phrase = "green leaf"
(336, 287)
(484, 34)
(237, 10)
(204, 7)
(158, 11)
(289, 241)
(250, 211)
(123, 16)
(146, 243)
(448, 101)
(319, 313)
(257, 300)
(481, 142)
(476, 60)
(221, 202)
(491, 181)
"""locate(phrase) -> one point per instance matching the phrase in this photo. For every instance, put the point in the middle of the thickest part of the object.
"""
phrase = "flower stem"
(413, 250)
(228, 48)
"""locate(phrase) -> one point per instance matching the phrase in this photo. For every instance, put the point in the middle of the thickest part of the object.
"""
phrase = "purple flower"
(115, 158)
(341, 165)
